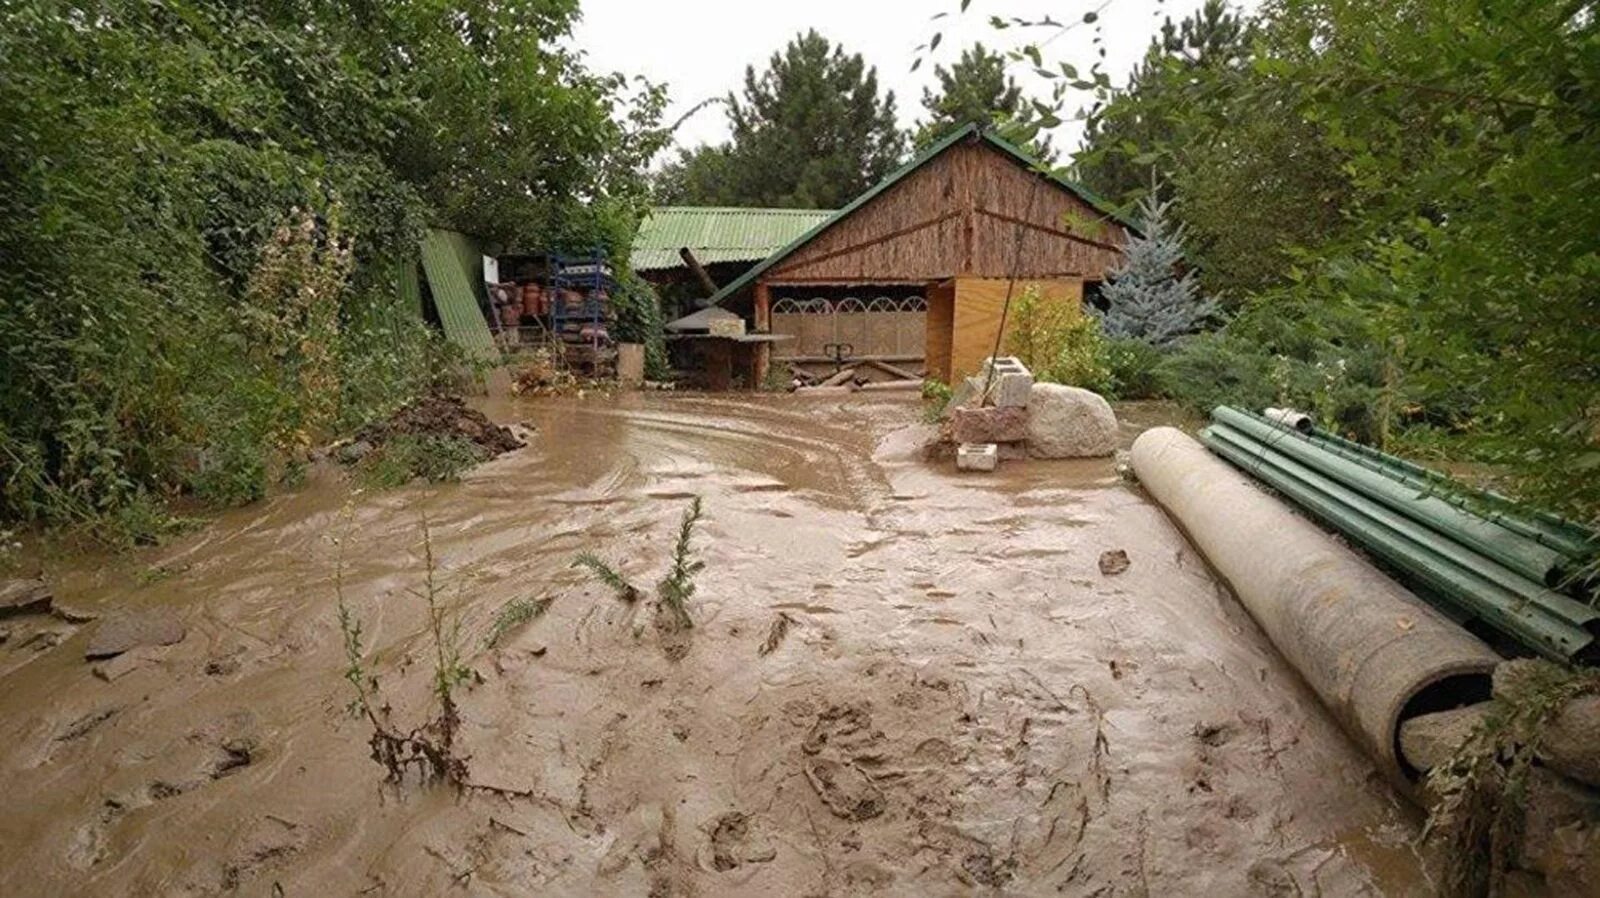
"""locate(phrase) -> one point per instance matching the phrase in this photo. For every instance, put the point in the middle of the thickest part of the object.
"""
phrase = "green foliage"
(936, 394)
(1058, 342)
(975, 89)
(1134, 369)
(512, 615)
(405, 457)
(677, 587)
(809, 132)
(202, 209)
(639, 320)
(608, 575)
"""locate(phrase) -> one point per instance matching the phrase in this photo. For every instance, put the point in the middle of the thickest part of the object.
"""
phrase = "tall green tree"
(203, 205)
(811, 131)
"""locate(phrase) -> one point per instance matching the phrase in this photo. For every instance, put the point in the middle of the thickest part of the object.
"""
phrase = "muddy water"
(961, 700)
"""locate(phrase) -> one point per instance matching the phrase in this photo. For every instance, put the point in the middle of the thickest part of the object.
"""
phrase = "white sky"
(700, 48)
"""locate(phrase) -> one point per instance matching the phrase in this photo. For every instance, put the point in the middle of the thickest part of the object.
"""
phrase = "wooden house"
(915, 271)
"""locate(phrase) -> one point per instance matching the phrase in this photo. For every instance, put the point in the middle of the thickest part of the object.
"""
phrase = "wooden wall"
(976, 306)
(962, 213)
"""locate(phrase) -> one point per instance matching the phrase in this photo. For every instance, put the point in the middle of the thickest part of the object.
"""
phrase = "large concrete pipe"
(1373, 652)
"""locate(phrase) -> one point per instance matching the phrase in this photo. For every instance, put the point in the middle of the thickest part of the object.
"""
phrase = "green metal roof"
(717, 234)
(452, 261)
(972, 129)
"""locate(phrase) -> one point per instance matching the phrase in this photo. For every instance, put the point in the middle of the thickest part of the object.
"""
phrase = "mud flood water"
(962, 703)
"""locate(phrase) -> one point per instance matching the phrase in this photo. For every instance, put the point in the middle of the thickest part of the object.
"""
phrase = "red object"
(532, 300)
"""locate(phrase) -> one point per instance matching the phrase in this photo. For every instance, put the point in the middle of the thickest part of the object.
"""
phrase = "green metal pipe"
(1549, 624)
(1578, 543)
(1517, 552)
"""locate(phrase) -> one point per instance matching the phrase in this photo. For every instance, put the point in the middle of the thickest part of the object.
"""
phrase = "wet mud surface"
(900, 682)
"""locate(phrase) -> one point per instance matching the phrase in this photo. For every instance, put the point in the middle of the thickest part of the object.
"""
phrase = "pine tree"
(1148, 299)
(812, 131)
(975, 89)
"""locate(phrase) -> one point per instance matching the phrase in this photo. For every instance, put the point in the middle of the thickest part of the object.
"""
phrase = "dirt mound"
(441, 415)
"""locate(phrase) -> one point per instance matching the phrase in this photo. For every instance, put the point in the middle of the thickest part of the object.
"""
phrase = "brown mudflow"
(956, 697)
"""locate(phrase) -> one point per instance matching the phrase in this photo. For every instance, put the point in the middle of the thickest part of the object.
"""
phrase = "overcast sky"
(700, 48)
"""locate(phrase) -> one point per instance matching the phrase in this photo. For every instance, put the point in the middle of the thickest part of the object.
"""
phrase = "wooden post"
(761, 353)
(763, 308)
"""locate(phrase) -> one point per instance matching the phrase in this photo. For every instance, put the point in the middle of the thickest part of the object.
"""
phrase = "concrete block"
(1012, 381)
(989, 425)
(977, 457)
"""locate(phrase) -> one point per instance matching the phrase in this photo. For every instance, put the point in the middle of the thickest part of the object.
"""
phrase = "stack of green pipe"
(1475, 567)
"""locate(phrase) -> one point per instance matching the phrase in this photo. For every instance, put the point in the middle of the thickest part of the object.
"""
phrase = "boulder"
(989, 425)
(1069, 422)
(129, 629)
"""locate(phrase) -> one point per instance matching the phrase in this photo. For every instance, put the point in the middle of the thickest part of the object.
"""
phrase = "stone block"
(1069, 422)
(989, 425)
(977, 457)
(1012, 382)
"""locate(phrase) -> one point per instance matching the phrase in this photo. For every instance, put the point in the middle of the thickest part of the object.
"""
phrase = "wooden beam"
(706, 283)
(866, 244)
(1057, 232)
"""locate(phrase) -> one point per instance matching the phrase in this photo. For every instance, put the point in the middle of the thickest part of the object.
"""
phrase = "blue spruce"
(1148, 299)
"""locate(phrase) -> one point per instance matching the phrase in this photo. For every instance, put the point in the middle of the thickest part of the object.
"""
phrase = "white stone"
(1069, 422)
(977, 457)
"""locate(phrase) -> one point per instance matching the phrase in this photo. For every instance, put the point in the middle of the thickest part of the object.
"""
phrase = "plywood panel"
(978, 306)
(940, 324)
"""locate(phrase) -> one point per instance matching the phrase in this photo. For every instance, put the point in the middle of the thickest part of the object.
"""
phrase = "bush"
(1059, 343)
(1135, 368)
(405, 457)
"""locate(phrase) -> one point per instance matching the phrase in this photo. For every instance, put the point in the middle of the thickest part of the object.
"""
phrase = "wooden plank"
(897, 371)
(939, 328)
(978, 306)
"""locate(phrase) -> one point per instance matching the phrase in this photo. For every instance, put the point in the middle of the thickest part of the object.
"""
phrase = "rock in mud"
(354, 451)
(117, 667)
(1427, 741)
(989, 424)
(125, 630)
(1069, 422)
(27, 596)
(1114, 562)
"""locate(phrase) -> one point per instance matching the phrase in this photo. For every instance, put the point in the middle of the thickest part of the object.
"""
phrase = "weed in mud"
(1480, 793)
(676, 588)
(514, 614)
(405, 457)
(610, 576)
(428, 748)
(936, 395)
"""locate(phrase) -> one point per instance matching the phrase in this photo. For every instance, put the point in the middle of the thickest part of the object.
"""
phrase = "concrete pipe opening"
(1374, 653)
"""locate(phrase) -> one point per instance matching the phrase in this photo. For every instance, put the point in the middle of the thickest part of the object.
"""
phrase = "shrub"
(402, 458)
(1135, 368)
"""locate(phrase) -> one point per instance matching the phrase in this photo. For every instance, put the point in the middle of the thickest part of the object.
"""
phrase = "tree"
(809, 132)
(1148, 298)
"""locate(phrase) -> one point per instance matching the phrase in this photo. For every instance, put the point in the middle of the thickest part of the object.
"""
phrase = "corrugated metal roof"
(970, 130)
(449, 259)
(717, 234)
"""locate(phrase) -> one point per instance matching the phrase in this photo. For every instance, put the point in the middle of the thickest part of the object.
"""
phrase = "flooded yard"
(961, 699)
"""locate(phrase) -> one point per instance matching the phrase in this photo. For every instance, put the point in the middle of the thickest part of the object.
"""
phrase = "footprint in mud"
(735, 841)
(841, 738)
(848, 792)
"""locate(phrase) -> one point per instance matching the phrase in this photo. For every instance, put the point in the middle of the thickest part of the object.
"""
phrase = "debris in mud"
(72, 615)
(82, 726)
(44, 639)
(514, 614)
(673, 591)
(125, 630)
(780, 629)
(442, 415)
(270, 839)
(1114, 562)
(28, 596)
(982, 869)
